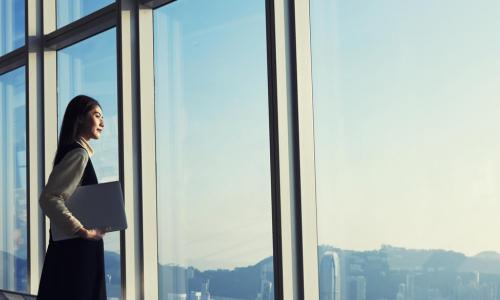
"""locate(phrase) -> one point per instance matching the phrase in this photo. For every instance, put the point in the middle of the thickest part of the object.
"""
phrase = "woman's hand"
(91, 234)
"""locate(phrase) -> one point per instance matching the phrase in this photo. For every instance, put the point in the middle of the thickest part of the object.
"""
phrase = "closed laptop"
(96, 206)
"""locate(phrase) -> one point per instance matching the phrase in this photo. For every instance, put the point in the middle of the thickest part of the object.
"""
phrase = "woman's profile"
(73, 268)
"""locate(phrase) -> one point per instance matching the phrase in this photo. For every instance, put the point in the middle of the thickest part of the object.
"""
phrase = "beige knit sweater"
(62, 183)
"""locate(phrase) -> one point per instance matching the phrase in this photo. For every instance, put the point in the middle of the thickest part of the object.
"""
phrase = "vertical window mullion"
(129, 144)
(296, 149)
(291, 280)
(34, 155)
(148, 152)
(49, 98)
(274, 150)
(305, 139)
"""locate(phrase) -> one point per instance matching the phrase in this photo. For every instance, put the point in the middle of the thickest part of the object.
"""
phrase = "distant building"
(173, 296)
(266, 282)
(205, 294)
(329, 278)
(266, 292)
(194, 296)
(410, 287)
(357, 288)
(401, 295)
(361, 288)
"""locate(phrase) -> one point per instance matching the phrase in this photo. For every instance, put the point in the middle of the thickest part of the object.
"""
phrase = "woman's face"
(93, 124)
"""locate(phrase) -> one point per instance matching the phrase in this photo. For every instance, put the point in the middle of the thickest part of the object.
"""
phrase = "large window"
(407, 148)
(72, 10)
(212, 145)
(13, 174)
(11, 25)
(89, 68)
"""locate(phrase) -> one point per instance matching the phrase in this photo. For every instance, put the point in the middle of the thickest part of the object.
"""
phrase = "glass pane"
(13, 174)
(11, 25)
(212, 143)
(89, 68)
(72, 10)
(407, 148)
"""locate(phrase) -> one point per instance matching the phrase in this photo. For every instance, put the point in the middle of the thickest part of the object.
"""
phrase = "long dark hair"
(73, 119)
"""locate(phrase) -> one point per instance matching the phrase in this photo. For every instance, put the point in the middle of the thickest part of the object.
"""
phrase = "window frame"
(290, 133)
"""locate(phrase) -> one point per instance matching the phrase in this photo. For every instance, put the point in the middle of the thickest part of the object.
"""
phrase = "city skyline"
(355, 274)
(397, 273)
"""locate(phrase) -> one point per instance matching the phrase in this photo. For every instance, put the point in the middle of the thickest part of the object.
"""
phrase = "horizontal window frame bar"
(13, 60)
(81, 29)
(155, 3)
(17, 293)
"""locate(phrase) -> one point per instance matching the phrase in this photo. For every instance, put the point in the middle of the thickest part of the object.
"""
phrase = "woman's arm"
(62, 183)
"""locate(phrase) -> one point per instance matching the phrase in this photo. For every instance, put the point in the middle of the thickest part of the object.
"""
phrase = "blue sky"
(13, 197)
(71, 10)
(11, 25)
(214, 193)
(406, 106)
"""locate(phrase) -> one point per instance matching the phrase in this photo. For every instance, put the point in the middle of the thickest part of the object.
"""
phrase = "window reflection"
(89, 68)
(72, 10)
(406, 120)
(212, 143)
(11, 25)
(13, 173)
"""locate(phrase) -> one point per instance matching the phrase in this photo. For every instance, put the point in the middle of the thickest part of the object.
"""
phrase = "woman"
(73, 268)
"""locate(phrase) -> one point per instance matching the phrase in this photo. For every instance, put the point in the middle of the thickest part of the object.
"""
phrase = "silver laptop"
(96, 206)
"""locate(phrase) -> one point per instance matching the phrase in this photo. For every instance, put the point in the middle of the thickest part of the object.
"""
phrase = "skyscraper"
(266, 282)
(410, 287)
(329, 280)
(205, 294)
(356, 288)
(194, 295)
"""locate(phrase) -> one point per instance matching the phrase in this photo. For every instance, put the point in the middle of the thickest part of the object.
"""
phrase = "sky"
(13, 197)
(12, 25)
(406, 123)
(213, 165)
(71, 10)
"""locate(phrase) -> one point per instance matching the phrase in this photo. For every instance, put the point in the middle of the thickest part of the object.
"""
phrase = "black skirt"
(73, 269)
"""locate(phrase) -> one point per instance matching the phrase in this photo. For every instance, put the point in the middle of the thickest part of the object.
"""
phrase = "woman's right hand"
(91, 234)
